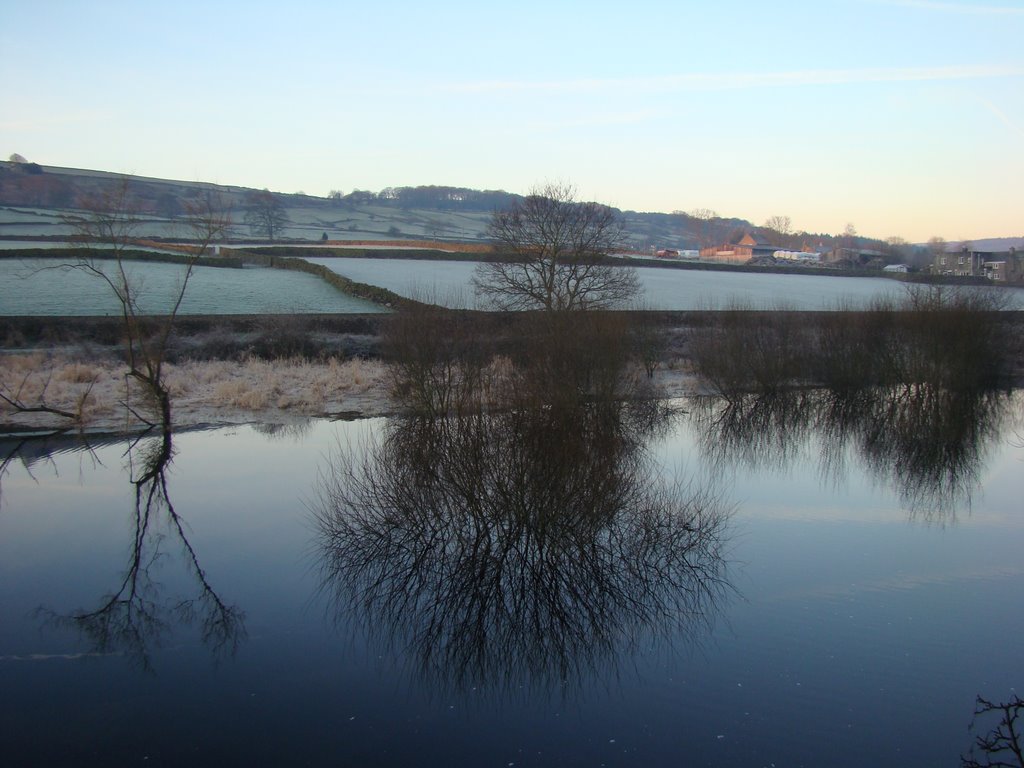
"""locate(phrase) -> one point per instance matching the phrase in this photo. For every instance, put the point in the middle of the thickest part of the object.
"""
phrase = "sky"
(901, 117)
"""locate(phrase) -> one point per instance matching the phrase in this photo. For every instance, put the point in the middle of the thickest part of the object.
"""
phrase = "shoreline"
(212, 393)
(243, 369)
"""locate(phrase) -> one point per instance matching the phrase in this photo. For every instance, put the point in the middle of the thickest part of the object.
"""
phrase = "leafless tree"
(106, 230)
(780, 228)
(266, 216)
(556, 255)
(781, 224)
(937, 245)
(704, 216)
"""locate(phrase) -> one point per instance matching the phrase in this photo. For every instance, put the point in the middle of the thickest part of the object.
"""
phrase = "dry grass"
(299, 385)
(38, 380)
(205, 392)
(201, 391)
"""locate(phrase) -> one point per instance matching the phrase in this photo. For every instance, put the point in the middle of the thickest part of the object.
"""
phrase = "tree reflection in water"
(926, 442)
(530, 547)
(135, 617)
(1001, 746)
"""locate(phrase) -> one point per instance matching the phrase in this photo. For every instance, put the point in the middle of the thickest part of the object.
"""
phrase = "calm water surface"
(787, 582)
(27, 287)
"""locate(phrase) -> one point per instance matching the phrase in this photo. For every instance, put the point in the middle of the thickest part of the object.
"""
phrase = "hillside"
(33, 197)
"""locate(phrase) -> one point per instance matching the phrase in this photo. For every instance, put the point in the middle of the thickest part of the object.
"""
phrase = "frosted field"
(449, 283)
(28, 287)
(369, 222)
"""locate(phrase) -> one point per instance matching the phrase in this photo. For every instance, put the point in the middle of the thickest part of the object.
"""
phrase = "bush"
(438, 359)
(753, 351)
(955, 338)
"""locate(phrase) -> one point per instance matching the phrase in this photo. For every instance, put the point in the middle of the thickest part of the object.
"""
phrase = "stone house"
(998, 266)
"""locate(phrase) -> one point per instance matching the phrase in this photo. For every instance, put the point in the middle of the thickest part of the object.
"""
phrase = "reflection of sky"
(853, 627)
(802, 489)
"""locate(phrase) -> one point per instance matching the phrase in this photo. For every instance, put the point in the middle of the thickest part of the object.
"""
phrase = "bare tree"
(781, 224)
(780, 228)
(266, 216)
(897, 248)
(556, 255)
(937, 247)
(106, 230)
(704, 216)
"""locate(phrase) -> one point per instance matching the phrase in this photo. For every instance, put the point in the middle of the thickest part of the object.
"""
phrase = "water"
(449, 283)
(34, 287)
(843, 613)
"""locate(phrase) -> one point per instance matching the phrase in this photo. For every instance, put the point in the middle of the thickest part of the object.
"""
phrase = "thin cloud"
(934, 5)
(739, 80)
(594, 121)
(53, 121)
(1002, 116)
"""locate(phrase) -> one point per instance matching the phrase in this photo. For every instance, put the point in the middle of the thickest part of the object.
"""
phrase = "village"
(952, 260)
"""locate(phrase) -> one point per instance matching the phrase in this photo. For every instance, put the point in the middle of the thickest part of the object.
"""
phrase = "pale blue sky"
(903, 117)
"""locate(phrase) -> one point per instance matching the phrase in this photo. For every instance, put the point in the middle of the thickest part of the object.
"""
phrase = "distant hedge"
(100, 254)
(420, 254)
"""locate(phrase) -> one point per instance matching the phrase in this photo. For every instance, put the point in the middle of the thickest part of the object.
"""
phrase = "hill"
(33, 197)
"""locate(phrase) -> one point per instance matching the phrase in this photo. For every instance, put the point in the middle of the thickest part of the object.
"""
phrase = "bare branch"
(556, 251)
(1001, 747)
(14, 400)
(105, 229)
(266, 216)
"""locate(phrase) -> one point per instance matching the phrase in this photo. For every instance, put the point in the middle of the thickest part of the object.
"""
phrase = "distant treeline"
(30, 185)
(433, 197)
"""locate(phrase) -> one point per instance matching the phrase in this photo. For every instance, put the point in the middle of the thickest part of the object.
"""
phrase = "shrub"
(437, 357)
(954, 338)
